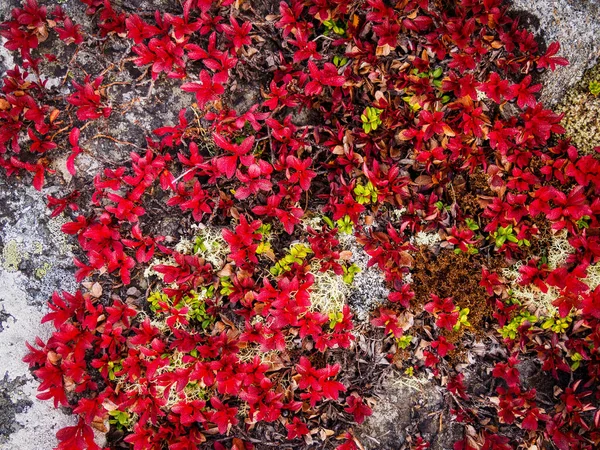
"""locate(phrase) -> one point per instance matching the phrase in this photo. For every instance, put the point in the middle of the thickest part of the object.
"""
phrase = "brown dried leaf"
(406, 320)
(53, 357)
(219, 327)
(308, 439)
(269, 254)
(404, 135)
(383, 50)
(96, 290)
(346, 255)
(99, 424)
(226, 271)
(406, 260)
(423, 180)
(42, 33)
(338, 150)
(109, 405)
(69, 384)
(249, 52)
(395, 152)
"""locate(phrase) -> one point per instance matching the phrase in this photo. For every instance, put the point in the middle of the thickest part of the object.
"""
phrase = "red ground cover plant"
(410, 101)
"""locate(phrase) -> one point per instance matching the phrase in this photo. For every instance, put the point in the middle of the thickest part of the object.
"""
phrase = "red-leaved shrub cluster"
(410, 104)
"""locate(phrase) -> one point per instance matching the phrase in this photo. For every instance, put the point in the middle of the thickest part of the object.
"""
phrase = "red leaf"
(206, 91)
(80, 436)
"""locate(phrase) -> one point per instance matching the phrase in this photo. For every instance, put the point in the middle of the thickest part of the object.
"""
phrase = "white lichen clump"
(329, 292)
(422, 238)
(481, 95)
(150, 272)
(539, 302)
(184, 246)
(210, 245)
(207, 243)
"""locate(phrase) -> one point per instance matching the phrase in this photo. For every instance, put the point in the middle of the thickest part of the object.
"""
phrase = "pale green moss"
(581, 111)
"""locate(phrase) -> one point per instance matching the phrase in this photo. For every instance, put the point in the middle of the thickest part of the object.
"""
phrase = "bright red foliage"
(441, 165)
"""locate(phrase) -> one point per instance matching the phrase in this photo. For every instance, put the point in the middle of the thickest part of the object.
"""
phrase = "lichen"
(184, 246)
(539, 302)
(60, 239)
(41, 272)
(38, 248)
(581, 111)
(427, 239)
(210, 245)
(12, 255)
(329, 291)
(368, 290)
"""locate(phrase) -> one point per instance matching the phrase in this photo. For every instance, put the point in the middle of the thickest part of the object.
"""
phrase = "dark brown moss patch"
(452, 275)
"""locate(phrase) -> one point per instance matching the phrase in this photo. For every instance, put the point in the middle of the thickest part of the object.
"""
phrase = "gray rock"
(576, 25)
(35, 260)
(408, 406)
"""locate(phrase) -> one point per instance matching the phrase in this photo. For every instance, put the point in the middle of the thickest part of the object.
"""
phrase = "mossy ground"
(581, 111)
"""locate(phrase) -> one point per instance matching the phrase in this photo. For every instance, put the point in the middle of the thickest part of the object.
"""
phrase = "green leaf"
(471, 224)
(548, 323)
(328, 221)
(594, 87)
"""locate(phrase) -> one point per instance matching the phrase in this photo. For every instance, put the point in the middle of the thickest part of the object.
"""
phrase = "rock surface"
(35, 259)
(406, 407)
(573, 23)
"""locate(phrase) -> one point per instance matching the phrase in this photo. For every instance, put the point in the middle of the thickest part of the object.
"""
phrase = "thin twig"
(324, 37)
(60, 131)
(104, 136)
(182, 175)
